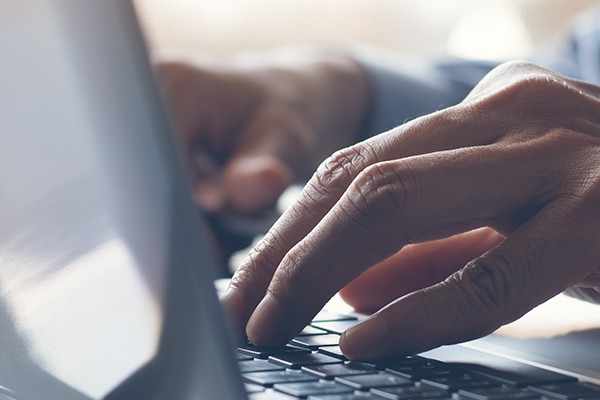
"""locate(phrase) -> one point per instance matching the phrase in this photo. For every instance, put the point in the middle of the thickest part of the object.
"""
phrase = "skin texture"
(446, 227)
(519, 155)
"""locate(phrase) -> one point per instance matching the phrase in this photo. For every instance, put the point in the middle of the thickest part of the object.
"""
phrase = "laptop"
(106, 272)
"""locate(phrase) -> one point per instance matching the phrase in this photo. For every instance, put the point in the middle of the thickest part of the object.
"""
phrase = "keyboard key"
(269, 378)
(326, 315)
(334, 326)
(366, 382)
(464, 381)
(270, 395)
(417, 368)
(411, 392)
(252, 388)
(353, 396)
(498, 393)
(311, 330)
(330, 371)
(303, 389)
(333, 351)
(258, 365)
(295, 361)
(568, 391)
(265, 352)
(316, 341)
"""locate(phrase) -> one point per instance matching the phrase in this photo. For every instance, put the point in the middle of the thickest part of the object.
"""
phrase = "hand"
(250, 127)
(520, 155)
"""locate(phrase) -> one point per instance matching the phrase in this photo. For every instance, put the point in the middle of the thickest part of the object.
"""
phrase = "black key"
(366, 382)
(464, 381)
(326, 315)
(329, 371)
(416, 368)
(411, 392)
(568, 391)
(315, 341)
(353, 396)
(333, 351)
(334, 326)
(265, 352)
(269, 395)
(258, 365)
(498, 393)
(311, 330)
(303, 389)
(269, 378)
(295, 361)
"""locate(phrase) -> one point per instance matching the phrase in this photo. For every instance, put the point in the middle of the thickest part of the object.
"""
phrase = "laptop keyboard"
(312, 367)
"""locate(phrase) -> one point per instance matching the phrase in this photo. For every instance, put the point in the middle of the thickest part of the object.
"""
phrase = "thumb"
(253, 182)
(415, 267)
(535, 262)
(261, 167)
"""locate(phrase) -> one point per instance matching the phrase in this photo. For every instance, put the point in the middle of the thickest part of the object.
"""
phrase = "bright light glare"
(491, 31)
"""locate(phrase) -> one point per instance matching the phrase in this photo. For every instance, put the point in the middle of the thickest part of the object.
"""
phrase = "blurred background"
(476, 29)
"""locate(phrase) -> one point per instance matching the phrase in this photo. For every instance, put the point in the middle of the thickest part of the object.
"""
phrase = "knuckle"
(517, 68)
(384, 192)
(519, 86)
(378, 193)
(336, 172)
(485, 287)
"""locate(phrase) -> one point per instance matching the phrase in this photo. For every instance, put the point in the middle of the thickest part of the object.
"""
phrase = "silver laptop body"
(105, 284)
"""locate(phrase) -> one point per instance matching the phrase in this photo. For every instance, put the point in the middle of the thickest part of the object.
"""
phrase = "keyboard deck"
(312, 367)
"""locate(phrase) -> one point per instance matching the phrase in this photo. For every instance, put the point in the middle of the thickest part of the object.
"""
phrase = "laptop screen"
(103, 271)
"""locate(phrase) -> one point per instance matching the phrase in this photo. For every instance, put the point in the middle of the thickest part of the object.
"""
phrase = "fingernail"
(364, 338)
(263, 326)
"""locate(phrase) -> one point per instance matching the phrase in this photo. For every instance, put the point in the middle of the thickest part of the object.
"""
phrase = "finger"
(436, 132)
(390, 205)
(254, 183)
(415, 267)
(246, 185)
(584, 293)
(265, 160)
(549, 253)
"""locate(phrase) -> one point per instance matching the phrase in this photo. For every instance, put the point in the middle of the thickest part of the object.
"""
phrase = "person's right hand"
(520, 155)
(250, 127)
